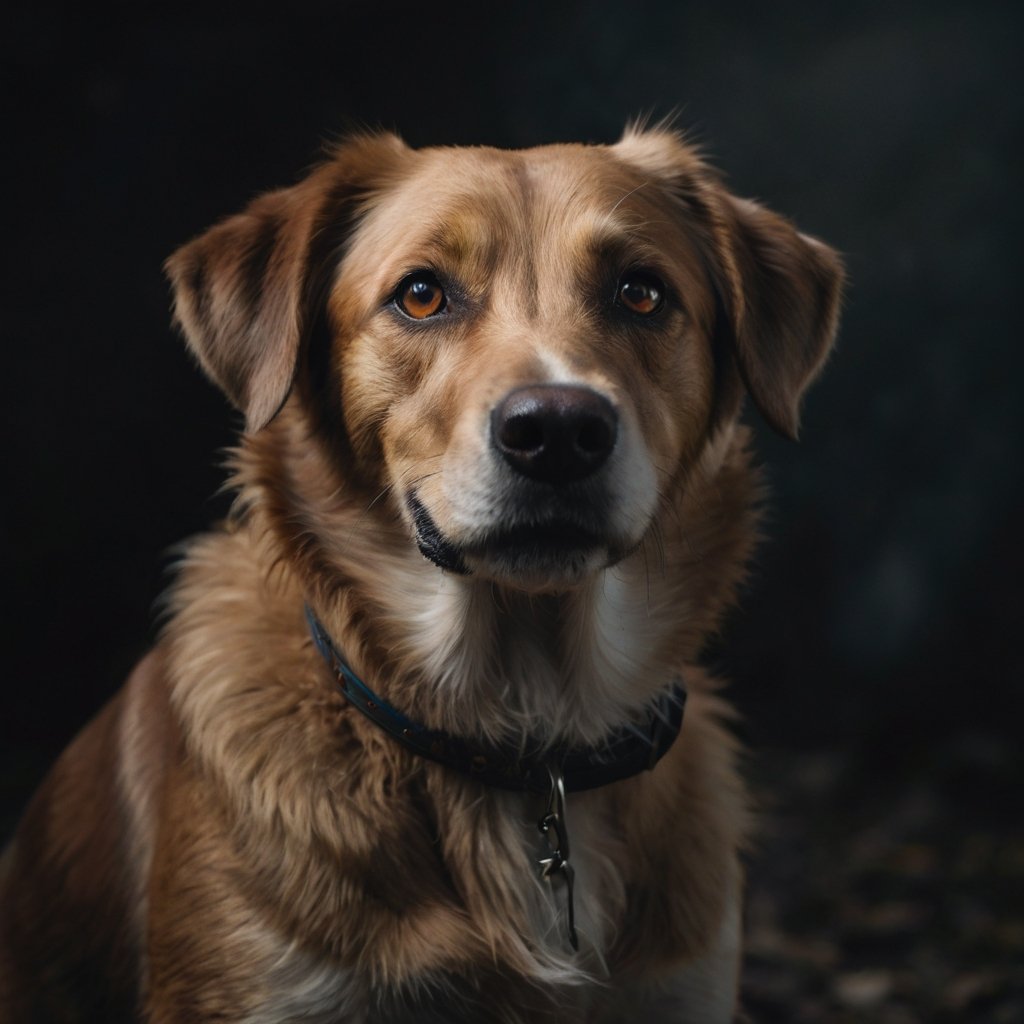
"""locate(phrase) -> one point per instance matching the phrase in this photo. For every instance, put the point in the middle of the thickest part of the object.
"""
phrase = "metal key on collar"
(554, 828)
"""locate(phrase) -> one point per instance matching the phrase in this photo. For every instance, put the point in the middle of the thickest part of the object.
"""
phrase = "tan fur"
(230, 840)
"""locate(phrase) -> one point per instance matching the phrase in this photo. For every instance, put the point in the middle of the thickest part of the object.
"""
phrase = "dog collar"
(628, 751)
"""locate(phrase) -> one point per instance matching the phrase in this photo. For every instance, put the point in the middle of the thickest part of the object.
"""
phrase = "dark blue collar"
(627, 751)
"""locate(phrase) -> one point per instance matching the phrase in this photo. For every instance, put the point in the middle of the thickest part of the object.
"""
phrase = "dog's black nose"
(554, 432)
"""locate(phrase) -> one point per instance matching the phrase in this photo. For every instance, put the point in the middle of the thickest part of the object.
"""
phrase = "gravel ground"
(886, 890)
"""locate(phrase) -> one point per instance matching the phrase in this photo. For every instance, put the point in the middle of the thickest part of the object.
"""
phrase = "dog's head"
(527, 350)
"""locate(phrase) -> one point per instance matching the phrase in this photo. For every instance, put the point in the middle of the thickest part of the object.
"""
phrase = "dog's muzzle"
(549, 444)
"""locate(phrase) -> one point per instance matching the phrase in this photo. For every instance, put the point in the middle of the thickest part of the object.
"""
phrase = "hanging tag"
(554, 828)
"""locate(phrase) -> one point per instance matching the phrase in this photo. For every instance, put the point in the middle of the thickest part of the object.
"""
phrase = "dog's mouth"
(553, 551)
(433, 544)
(555, 548)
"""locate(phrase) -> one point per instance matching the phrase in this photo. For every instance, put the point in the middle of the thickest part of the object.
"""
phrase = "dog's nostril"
(595, 436)
(523, 433)
(555, 433)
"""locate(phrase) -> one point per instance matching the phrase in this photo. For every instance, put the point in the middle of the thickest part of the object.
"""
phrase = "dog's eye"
(420, 296)
(641, 293)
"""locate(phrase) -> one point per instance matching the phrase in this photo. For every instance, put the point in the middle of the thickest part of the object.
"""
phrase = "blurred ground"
(890, 896)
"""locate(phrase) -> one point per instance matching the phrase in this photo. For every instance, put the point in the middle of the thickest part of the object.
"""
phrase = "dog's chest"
(521, 913)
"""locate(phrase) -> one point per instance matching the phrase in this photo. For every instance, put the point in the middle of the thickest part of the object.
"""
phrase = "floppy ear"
(244, 291)
(783, 292)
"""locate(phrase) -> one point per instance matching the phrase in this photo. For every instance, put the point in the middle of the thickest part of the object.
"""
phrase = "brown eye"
(420, 296)
(641, 293)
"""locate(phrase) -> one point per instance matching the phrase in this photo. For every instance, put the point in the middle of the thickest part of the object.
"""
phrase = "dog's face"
(536, 335)
(528, 350)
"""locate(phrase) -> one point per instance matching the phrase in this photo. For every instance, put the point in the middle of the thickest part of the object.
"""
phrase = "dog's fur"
(229, 840)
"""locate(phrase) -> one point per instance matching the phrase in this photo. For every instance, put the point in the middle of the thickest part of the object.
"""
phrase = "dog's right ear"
(244, 290)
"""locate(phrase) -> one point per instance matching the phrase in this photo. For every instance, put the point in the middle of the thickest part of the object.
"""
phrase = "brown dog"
(335, 790)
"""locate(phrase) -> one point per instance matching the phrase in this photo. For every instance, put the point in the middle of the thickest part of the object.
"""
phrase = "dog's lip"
(433, 544)
(549, 535)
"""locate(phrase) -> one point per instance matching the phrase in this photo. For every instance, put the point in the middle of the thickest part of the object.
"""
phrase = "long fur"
(229, 840)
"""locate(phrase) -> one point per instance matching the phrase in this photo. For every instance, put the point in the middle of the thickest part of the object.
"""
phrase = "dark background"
(876, 657)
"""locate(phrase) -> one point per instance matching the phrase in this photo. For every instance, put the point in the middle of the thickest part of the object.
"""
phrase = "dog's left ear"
(244, 291)
(783, 292)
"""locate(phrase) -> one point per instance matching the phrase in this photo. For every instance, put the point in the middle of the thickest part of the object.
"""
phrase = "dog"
(425, 736)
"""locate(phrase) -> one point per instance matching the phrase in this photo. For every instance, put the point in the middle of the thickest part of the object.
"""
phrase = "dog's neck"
(473, 658)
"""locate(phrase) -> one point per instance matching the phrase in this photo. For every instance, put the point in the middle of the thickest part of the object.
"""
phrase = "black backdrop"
(882, 615)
